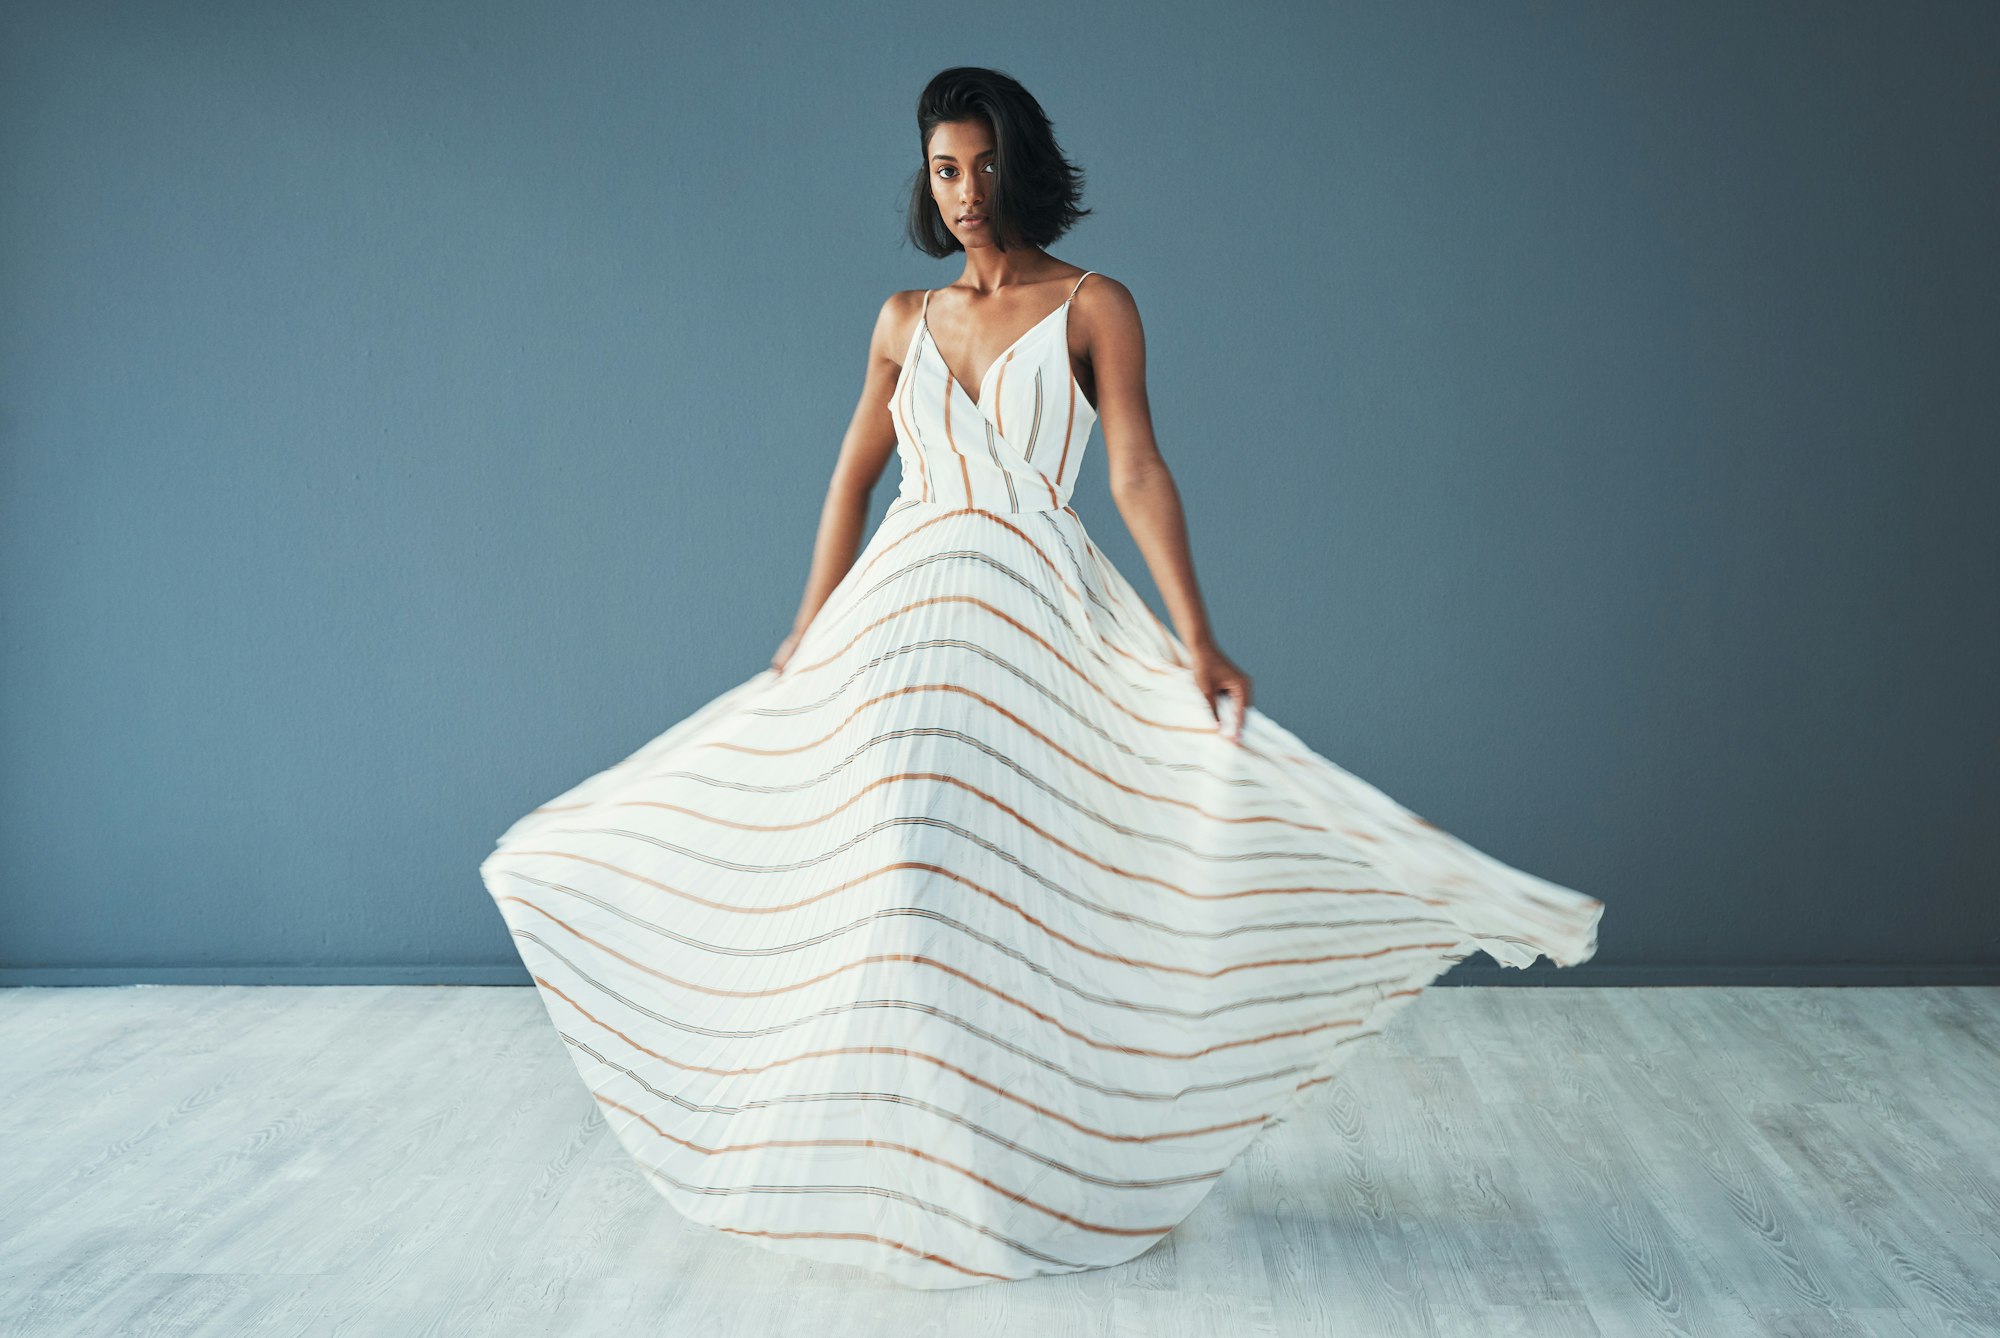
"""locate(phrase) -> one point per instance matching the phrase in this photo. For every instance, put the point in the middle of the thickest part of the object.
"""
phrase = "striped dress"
(967, 948)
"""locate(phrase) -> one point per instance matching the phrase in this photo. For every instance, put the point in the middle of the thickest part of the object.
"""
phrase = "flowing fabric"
(968, 948)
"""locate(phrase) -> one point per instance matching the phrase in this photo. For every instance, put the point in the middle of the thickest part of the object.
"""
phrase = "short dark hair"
(1036, 189)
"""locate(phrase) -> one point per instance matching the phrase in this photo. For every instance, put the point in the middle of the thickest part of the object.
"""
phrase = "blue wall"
(1585, 415)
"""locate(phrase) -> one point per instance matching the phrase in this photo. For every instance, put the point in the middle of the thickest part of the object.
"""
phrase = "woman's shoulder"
(1100, 302)
(896, 322)
(1096, 280)
(900, 310)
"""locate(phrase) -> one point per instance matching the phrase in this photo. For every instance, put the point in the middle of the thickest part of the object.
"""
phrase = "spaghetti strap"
(925, 317)
(1079, 283)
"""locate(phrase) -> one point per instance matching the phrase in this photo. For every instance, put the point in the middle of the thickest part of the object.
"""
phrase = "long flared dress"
(968, 948)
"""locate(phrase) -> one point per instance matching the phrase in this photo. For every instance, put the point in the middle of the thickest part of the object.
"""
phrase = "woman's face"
(961, 172)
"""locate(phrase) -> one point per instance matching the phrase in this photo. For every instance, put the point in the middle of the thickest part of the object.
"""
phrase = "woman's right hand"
(785, 649)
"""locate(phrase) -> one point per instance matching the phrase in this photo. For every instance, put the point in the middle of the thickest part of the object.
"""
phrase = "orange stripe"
(1102, 954)
(1558, 918)
(810, 744)
(1017, 815)
(965, 472)
(834, 656)
(995, 706)
(1106, 777)
(965, 785)
(1055, 498)
(918, 959)
(1166, 636)
(1012, 1196)
(916, 446)
(1030, 632)
(1070, 425)
(1044, 1112)
(1000, 519)
(904, 1052)
(998, 397)
(983, 890)
(1021, 722)
(994, 896)
(1047, 561)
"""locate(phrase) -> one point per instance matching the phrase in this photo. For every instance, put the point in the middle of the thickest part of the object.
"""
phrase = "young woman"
(974, 938)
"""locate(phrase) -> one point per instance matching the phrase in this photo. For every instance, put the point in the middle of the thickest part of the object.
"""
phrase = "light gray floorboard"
(409, 1161)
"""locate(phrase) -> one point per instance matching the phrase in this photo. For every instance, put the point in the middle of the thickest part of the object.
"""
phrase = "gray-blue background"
(1586, 416)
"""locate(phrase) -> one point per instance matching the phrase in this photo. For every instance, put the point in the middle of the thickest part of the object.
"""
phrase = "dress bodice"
(1018, 446)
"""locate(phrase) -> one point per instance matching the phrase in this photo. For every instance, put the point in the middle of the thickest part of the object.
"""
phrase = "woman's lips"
(974, 221)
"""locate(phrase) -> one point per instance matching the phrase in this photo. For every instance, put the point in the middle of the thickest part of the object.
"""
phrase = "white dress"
(967, 948)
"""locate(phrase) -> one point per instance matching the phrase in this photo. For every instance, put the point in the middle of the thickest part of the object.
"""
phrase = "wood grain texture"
(1549, 1162)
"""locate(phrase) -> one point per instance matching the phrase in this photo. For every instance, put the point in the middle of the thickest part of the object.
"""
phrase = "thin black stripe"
(998, 1042)
(1061, 983)
(872, 1191)
(1240, 926)
(1083, 720)
(899, 1099)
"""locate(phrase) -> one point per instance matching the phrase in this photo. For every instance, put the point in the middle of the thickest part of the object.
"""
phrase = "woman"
(970, 940)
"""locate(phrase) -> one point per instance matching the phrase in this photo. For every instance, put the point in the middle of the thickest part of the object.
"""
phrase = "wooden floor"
(252, 1161)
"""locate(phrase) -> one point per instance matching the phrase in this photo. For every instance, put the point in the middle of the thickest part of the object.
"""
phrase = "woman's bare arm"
(864, 452)
(1107, 317)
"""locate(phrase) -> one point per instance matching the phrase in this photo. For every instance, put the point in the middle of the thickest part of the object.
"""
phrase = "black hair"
(1036, 189)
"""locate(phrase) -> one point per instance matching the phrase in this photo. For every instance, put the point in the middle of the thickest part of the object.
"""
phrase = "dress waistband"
(941, 506)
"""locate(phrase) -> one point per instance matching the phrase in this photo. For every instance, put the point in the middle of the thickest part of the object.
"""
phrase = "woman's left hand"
(1215, 675)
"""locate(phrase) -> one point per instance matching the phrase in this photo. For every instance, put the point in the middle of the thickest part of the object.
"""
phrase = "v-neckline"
(924, 327)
